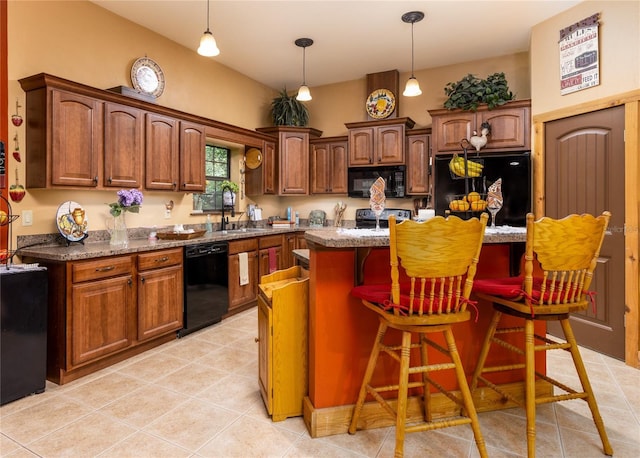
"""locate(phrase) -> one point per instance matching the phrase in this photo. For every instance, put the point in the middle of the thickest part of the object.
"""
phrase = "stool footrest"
(437, 425)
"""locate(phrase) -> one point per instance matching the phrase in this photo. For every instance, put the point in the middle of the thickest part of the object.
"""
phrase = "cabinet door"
(161, 164)
(293, 163)
(418, 159)
(338, 155)
(77, 129)
(320, 168)
(264, 261)
(389, 148)
(160, 308)
(448, 130)
(192, 146)
(242, 294)
(361, 146)
(265, 357)
(100, 321)
(301, 242)
(270, 171)
(290, 244)
(510, 128)
(123, 146)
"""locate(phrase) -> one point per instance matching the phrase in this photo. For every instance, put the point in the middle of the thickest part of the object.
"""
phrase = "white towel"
(243, 259)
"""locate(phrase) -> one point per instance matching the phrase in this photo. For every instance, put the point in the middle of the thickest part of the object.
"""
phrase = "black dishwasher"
(206, 296)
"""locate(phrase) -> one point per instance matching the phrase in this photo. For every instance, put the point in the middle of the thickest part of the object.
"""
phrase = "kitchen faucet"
(223, 222)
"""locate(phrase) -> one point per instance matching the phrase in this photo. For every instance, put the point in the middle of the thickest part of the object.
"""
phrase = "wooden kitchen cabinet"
(161, 163)
(267, 244)
(374, 143)
(282, 342)
(510, 128)
(104, 310)
(123, 146)
(160, 293)
(419, 162)
(193, 140)
(292, 166)
(101, 310)
(262, 180)
(241, 297)
(329, 165)
(65, 144)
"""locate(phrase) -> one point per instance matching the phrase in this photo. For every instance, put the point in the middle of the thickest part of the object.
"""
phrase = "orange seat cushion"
(511, 288)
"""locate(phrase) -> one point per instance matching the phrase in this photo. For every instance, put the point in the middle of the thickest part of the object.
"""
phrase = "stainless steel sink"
(246, 230)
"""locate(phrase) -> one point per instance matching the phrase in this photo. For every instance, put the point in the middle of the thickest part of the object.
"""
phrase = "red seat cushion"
(381, 294)
(509, 287)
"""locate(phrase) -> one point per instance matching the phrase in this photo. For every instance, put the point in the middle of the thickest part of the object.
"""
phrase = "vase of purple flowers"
(128, 201)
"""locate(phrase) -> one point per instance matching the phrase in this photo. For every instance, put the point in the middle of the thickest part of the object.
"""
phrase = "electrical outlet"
(27, 217)
(167, 214)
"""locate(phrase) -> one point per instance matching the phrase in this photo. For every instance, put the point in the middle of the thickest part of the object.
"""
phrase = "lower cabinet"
(160, 293)
(282, 342)
(241, 297)
(104, 310)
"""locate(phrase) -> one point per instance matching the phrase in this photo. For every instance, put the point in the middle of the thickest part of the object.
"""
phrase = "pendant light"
(412, 88)
(208, 46)
(303, 93)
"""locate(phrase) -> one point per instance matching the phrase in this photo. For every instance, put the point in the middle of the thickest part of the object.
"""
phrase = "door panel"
(584, 173)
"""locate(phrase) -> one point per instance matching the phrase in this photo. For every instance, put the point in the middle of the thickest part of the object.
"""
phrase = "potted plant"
(229, 197)
(471, 91)
(287, 111)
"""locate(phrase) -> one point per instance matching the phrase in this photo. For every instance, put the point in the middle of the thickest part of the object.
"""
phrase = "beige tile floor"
(198, 397)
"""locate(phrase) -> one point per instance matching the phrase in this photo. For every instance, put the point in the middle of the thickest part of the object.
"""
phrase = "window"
(217, 168)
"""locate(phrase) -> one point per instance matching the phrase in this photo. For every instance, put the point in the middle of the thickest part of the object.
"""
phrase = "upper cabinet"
(262, 179)
(82, 137)
(510, 127)
(123, 145)
(374, 143)
(329, 165)
(419, 162)
(292, 158)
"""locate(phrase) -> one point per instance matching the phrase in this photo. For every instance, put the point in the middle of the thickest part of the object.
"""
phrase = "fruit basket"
(461, 167)
(471, 202)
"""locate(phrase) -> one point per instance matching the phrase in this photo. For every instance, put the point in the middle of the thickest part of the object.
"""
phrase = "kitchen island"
(342, 330)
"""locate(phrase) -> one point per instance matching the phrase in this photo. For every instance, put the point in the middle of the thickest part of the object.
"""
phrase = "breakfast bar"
(341, 329)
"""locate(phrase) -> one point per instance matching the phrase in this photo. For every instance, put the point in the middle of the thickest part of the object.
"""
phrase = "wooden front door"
(584, 173)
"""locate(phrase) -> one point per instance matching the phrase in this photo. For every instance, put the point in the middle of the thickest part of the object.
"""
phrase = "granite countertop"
(353, 238)
(77, 251)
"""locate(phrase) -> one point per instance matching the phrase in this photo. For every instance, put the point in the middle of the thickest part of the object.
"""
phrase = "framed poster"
(579, 56)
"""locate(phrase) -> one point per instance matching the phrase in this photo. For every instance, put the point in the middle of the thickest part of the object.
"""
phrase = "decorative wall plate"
(381, 103)
(71, 221)
(147, 77)
(253, 158)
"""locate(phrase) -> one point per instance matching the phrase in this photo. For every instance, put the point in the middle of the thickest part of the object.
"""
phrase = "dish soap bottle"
(208, 226)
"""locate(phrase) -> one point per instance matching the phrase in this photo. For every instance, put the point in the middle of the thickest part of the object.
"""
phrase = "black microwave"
(361, 178)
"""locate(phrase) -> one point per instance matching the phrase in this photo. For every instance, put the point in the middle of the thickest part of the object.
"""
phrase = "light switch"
(27, 217)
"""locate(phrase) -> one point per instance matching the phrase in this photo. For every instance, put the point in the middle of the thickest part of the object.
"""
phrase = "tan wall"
(82, 42)
(619, 46)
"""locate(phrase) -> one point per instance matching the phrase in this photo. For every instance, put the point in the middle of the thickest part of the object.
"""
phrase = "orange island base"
(342, 330)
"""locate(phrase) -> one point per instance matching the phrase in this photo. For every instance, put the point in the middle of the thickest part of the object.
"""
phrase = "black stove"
(365, 218)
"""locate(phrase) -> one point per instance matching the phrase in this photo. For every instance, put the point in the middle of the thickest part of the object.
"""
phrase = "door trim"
(631, 101)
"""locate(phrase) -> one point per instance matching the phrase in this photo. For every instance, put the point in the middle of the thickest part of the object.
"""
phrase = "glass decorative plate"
(380, 103)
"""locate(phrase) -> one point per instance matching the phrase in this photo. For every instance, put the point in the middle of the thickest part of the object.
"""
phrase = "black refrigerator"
(23, 323)
(515, 171)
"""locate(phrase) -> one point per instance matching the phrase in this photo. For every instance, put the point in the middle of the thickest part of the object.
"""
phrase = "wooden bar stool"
(560, 258)
(439, 257)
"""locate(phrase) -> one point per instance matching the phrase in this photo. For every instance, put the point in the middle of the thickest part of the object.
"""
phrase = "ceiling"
(351, 38)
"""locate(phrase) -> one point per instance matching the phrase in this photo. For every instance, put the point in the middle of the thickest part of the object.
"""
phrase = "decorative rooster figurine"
(479, 141)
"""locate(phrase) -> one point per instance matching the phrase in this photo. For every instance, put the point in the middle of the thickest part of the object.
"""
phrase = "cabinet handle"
(105, 269)
(370, 161)
(257, 340)
(142, 279)
(174, 185)
(129, 282)
(95, 179)
(163, 259)
(109, 180)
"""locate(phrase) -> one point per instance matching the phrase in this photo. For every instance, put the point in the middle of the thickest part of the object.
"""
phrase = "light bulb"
(412, 88)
